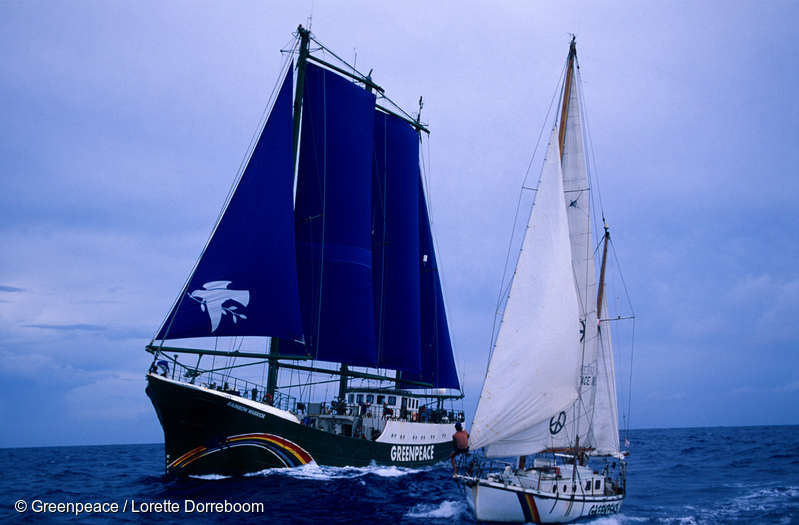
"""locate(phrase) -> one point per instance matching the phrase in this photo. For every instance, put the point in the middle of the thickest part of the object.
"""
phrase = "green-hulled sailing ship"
(312, 327)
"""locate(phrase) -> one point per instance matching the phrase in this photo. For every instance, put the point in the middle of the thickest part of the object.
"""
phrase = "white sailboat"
(549, 396)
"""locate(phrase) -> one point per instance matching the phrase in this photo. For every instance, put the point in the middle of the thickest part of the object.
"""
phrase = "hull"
(212, 432)
(497, 502)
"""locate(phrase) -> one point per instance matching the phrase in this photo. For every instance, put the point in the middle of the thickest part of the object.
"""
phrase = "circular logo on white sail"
(212, 297)
(556, 425)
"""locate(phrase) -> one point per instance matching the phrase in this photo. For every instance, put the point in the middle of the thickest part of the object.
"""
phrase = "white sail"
(535, 367)
(606, 415)
(576, 195)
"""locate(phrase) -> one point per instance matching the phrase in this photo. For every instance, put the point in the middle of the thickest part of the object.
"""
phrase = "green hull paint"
(207, 432)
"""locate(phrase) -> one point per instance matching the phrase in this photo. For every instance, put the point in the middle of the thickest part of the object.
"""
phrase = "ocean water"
(675, 476)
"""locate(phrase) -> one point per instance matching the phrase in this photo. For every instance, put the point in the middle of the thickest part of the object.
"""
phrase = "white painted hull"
(494, 501)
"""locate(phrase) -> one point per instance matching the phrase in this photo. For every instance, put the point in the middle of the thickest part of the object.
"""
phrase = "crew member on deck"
(460, 445)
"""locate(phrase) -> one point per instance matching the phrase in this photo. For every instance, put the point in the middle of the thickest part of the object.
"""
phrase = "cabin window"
(352, 398)
(380, 399)
(588, 486)
(405, 402)
(392, 400)
(360, 398)
(370, 398)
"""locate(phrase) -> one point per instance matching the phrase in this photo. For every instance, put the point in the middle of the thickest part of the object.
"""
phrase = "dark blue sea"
(675, 476)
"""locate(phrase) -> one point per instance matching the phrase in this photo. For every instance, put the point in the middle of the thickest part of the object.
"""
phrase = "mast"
(567, 93)
(302, 62)
(601, 287)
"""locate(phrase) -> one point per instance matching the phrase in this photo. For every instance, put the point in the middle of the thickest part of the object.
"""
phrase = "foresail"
(395, 243)
(412, 327)
(535, 366)
(245, 282)
(333, 215)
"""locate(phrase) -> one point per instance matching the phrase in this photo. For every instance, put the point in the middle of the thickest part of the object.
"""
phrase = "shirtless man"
(460, 445)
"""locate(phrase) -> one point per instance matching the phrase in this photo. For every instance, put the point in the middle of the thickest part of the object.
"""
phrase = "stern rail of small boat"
(605, 475)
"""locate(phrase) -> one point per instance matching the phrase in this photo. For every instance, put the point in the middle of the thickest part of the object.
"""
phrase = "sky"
(124, 124)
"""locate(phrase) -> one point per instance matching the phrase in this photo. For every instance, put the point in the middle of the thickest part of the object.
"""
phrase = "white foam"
(210, 477)
(324, 473)
(613, 519)
(444, 510)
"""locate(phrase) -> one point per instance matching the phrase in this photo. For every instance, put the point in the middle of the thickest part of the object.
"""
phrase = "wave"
(758, 505)
(210, 477)
(444, 510)
(313, 471)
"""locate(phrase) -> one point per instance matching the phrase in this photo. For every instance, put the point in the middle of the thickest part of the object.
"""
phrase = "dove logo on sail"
(212, 299)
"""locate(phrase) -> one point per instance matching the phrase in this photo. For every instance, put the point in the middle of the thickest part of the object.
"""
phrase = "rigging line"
(381, 93)
(632, 337)
(630, 381)
(506, 283)
(167, 323)
(426, 181)
(621, 276)
(589, 145)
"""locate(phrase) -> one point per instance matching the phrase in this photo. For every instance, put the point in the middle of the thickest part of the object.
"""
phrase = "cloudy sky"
(125, 122)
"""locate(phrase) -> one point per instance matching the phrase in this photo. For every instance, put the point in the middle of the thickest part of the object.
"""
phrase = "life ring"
(268, 399)
(415, 416)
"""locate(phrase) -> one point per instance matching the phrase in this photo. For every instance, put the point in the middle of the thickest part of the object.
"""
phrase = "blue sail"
(245, 282)
(438, 361)
(333, 216)
(395, 240)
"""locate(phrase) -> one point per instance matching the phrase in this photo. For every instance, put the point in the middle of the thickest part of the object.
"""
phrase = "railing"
(234, 386)
(223, 382)
(477, 466)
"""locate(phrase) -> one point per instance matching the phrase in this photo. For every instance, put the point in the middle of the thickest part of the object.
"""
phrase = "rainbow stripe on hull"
(288, 453)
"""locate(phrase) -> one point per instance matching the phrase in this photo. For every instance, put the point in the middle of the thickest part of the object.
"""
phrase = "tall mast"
(567, 94)
(601, 291)
(302, 63)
